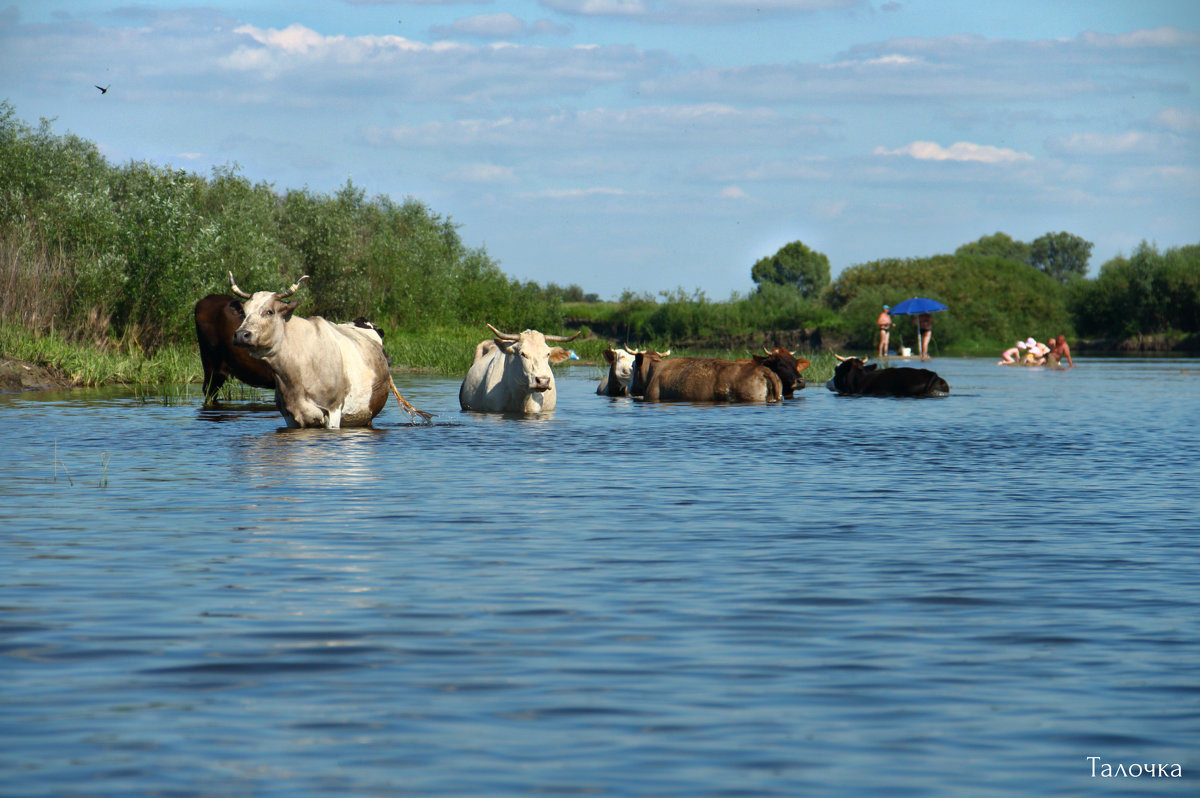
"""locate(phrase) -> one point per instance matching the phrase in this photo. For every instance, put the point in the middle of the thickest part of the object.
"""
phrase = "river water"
(832, 596)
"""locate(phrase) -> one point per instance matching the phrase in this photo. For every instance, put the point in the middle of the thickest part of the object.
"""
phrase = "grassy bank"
(446, 351)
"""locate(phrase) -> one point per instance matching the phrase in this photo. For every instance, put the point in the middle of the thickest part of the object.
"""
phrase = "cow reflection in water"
(853, 377)
(291, 461)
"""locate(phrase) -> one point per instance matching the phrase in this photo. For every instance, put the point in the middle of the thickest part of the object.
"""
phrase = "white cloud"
(1164, 37)
(1179, 120)
(393, 68)
(623, 8)
(498, 26)
(694, 11)
(575, 193)
(963, 151)
(1099, 144)
(734, 192)
(482, 173)
(676, 127)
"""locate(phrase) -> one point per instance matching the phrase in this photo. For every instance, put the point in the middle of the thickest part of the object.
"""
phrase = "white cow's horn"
(504, 336)
(295, 287)
(840, 358)
(234, 288)
(563, 337)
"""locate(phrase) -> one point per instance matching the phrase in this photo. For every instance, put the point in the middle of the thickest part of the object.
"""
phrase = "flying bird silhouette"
(104, 89)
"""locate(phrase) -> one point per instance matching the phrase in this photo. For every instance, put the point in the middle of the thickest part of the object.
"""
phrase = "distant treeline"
(125, 251)
(100, 252)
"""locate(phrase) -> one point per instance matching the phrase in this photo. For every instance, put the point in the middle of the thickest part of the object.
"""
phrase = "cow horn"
(627, 349)
(768, 351)
(234, 288)
(563, 337)
(503, 336)
(840, 358)
(664, 354)
(295, 287)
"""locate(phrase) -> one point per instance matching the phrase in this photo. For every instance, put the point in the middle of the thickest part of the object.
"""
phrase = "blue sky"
(653, 145)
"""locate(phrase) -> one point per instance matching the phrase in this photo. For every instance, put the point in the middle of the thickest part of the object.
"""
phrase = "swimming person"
(1010, 356)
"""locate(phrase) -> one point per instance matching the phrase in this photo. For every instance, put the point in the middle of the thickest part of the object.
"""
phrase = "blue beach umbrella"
(918, 304)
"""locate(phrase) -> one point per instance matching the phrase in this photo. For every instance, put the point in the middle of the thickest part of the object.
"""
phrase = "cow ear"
(610, 356)
(802, 363)
(506, 346)
(871, 367)
(759, 359)
(558, 354)
(236, 308)
(287, 307)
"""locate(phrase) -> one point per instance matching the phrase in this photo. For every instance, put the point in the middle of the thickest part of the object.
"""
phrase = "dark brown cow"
(786, 366)
(853, 377)
(217, 316)
(702, 379)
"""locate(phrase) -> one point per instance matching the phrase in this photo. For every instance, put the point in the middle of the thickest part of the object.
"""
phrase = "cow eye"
(268, 313)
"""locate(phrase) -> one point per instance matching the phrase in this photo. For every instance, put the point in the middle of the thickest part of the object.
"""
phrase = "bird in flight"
(104, 89)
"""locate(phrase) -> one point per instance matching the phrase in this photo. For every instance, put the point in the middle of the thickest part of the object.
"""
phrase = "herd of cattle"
(338, 375)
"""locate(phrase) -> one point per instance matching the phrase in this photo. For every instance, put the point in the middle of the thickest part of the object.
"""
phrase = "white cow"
(511, 373)
(620, 372)
(326, 374)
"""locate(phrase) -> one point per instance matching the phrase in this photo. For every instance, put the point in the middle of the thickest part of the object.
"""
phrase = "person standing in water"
(924, 333)
(884, 322)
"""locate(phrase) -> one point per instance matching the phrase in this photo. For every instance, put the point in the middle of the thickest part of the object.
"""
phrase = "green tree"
(1146, 293)
(999, 245)
(1061, 255)
(795, 265)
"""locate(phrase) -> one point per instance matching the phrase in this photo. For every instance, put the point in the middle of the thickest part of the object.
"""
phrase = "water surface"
(832, 596)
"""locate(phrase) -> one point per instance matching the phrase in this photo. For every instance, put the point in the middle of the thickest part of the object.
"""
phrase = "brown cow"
(702, 379)
(217, 317)
(786, 366)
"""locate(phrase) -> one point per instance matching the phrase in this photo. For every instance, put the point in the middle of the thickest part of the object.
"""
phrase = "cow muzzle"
(242, 338)
(540, 384)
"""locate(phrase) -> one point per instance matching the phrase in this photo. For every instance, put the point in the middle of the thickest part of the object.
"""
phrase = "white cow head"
(264, 314)
(529, 357)
(620, 363)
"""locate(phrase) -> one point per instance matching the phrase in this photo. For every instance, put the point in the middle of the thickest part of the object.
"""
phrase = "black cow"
(217, 317)
(853, 377)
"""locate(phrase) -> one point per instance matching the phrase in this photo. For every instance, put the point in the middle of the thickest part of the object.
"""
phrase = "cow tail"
(405, 406)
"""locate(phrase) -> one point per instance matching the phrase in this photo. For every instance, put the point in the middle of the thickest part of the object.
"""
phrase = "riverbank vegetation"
(101, 265)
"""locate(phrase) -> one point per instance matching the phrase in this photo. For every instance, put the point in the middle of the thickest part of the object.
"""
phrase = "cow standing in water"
(702, 379)
(786, 366)
(620, 372)
(326, 374)
(511, 373)
(217, 317)
(854, 377)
